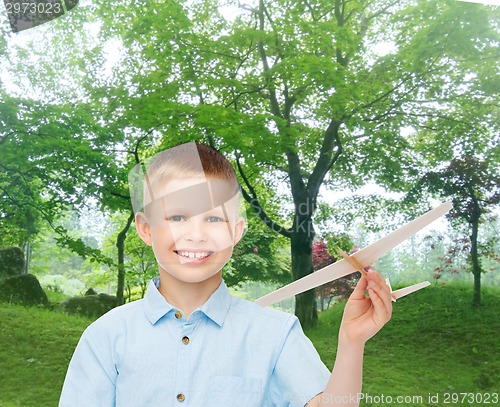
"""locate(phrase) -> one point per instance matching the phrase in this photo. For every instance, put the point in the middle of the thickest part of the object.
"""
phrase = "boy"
(188, 342)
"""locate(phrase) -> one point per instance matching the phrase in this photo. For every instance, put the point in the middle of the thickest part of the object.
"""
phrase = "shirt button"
(178, 315)
(185, 340)
(181, 397)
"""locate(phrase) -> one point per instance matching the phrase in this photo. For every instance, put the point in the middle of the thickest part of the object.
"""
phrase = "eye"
(177, 218)
(213, 219)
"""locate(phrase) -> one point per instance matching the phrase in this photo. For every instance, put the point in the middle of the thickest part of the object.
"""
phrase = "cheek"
(161, 235)
(223, 234)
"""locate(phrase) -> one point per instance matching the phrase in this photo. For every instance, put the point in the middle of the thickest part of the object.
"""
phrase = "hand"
(365, 316)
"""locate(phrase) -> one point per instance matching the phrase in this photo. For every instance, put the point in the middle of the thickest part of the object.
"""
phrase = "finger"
(381, 303)
(374, 275)
(381, 314)
(360, 289)
(383, 288)
(378, 284)
(368, 268)
(376, 279)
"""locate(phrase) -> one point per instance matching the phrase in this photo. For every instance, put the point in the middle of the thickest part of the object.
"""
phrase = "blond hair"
(181, 162)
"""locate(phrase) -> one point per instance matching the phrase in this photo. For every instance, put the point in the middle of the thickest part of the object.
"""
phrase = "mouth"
(188, 256)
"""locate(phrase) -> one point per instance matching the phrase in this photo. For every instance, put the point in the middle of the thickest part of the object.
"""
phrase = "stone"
(90, 291)
(89, 305)
(23, 289)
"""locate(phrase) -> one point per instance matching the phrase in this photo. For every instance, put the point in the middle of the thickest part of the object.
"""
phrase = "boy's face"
(192, 227)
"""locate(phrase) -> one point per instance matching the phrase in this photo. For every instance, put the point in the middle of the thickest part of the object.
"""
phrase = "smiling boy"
(189, 342)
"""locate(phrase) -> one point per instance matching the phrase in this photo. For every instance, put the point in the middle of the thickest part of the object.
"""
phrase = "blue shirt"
(230, 352)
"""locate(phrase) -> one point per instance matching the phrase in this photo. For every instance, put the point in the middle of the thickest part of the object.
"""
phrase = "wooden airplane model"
(359, 260)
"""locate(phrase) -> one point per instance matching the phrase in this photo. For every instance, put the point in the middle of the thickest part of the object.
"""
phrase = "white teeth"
(193, 255)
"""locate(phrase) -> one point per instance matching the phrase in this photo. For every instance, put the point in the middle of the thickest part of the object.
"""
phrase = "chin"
(191, 275)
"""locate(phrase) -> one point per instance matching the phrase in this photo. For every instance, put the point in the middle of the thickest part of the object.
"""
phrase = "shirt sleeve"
(91, 376)
(299, 373)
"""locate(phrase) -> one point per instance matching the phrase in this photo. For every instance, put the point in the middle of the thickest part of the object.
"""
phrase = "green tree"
(298, 93)
(46, 169)
(296, 89)
(19, 188)
(140, 263)
(458, 144)
(261, 255)
(474, 187)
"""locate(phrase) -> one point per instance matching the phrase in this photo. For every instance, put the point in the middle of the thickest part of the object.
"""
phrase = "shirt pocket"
(234, 391)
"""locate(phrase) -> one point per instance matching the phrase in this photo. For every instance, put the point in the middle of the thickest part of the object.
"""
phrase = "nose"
(195, 232)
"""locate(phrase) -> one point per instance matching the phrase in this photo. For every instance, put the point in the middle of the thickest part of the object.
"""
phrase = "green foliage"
(55, 295)
(64, 257)
(337, 241)
(20, 188)
(471, 182)
(140, 263)
(303, 93)
(260, 256)
(11, 261)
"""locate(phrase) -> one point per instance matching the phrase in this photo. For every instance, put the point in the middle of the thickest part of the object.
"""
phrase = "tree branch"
(255, 204)
(289, 102)
(381, 97)
(383, 10)
(240, 94)
(326, 159)
(275, 107)
(439, 116)
(208, 51)
(4, 138)
(117, 194)
(138, 143)
(311, 11)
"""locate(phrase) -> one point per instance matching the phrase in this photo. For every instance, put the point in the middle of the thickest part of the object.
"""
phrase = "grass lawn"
(435, 344)
(35, 348)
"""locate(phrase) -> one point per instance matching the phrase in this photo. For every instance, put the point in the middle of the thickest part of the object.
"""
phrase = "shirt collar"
(215, 308)
(155, 305)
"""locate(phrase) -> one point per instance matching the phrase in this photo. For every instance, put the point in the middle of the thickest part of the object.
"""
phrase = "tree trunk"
(302, 265)
(120, 244)
(476, 265)
(27, 259)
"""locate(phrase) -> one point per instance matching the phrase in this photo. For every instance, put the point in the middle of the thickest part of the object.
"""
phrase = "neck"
(187, 296)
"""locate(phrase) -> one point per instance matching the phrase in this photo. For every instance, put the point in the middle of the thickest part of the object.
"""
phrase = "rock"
(88, 305)
(22, 289)
(11, 262)
(90, 291)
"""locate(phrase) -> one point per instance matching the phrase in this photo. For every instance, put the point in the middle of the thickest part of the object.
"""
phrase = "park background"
(343, 120)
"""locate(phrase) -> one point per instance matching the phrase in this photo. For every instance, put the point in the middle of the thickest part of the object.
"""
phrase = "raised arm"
(363, 318)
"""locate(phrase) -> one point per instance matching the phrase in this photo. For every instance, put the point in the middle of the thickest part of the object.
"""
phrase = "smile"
(193, 255)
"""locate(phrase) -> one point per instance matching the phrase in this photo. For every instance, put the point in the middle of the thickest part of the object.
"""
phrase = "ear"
(239, 229)
(143, 229)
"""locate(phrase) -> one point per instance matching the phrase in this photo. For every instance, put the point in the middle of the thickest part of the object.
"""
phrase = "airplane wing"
(365, 257)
